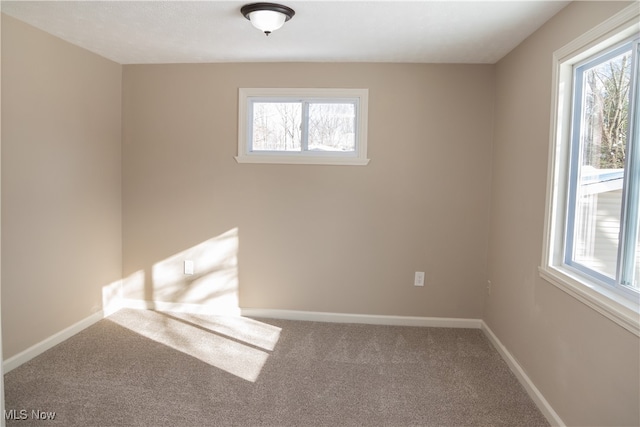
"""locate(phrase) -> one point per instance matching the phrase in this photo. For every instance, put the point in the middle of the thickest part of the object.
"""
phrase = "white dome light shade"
(267, 20)
(267, 17)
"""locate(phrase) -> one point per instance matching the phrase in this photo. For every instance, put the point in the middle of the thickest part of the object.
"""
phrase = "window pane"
(332, 127)
(276, 126)
(603, 139)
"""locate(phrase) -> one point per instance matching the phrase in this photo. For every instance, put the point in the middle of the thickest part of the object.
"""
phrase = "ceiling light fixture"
(267, 17)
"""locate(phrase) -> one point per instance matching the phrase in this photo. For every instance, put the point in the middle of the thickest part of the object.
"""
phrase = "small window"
(311, 126)
(592, 246)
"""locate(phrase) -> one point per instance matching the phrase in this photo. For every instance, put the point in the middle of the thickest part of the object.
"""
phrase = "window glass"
(276, 126)
(332, 126)
(600, 146)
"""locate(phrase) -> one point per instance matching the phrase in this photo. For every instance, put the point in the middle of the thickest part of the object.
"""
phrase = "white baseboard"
(179, 307)
(55, 339)
(371, 319)
(533, 392)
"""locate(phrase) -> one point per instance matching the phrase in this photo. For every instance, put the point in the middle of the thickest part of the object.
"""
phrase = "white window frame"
(622, 308)
(356, 158)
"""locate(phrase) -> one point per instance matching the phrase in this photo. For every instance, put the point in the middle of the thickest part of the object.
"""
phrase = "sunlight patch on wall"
(225, 343)
(133, 285)
(113, 294)
(214, 282)
(111, 297)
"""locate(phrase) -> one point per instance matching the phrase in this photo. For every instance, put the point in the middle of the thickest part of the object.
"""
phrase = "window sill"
(617, 308)
(303, 160)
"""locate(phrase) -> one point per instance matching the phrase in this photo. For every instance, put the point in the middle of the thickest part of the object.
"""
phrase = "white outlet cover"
(419, 278)
(188, 267)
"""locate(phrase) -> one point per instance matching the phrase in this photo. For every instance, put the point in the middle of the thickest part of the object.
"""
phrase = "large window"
(318, 126)
(602, 227)
(592, 247)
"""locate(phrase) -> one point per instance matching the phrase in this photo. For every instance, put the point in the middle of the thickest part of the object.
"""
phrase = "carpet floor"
(149, 368)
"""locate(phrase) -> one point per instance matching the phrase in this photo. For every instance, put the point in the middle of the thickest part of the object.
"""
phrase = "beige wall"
(61, 198)
(585, 365)
(320, 238)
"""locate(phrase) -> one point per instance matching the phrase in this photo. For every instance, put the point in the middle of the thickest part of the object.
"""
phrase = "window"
(592, 246)
(603, 184)
(312, 126)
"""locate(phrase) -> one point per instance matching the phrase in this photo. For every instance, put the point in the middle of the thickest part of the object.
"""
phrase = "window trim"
(357, 158)
(619, 308)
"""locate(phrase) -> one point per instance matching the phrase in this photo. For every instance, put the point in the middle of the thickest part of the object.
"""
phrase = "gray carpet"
(146, 368)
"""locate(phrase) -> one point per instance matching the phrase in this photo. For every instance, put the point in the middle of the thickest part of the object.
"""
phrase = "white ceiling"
(146, 32)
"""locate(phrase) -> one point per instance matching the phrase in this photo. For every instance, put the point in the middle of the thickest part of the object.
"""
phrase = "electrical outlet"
(419, 279)
(188, 267)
